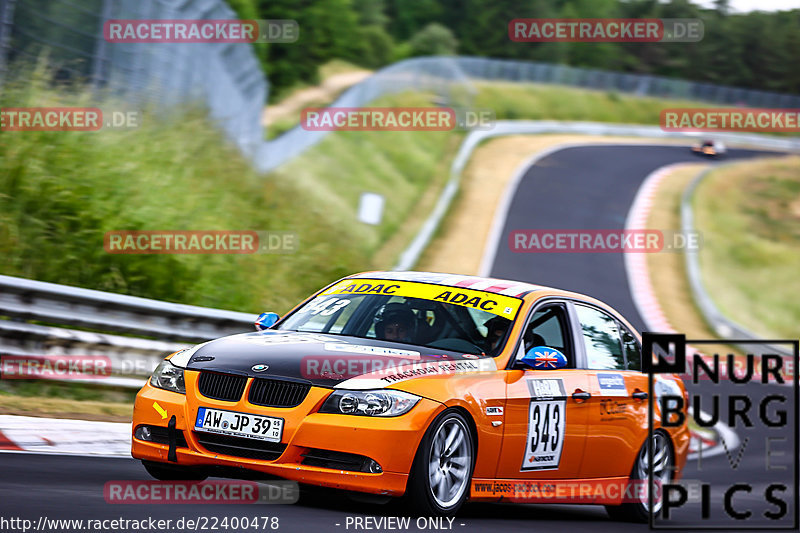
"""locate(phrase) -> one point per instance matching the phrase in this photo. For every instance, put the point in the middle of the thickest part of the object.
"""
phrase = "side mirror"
(544, 358)
(266, 321)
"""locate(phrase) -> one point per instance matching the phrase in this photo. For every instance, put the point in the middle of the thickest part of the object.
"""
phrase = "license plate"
(247, 425)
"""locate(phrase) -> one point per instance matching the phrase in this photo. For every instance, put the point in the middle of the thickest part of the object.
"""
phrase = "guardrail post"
(101, 50)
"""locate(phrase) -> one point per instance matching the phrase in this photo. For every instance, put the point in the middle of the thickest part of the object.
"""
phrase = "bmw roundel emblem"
(259, 368)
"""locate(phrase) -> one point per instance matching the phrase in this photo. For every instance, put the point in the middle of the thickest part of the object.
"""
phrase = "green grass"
(63, 391)
(511, 101)
(61, 191)
(549, 102)
(749, 215)
(38, 400)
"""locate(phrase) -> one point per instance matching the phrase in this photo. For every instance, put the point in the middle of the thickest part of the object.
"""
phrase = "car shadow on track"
(357, 504)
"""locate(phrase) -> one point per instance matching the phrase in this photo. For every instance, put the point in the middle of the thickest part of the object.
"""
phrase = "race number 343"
(546, 417)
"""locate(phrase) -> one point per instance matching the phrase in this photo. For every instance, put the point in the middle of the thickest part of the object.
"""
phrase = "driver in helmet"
(396, 322)
(496, 331)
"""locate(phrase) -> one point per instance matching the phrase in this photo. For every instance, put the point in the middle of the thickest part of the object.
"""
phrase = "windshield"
(434, 316)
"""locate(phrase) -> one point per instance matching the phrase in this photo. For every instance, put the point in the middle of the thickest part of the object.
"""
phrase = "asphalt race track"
(593, 187)
(585, 187)
(588, 187)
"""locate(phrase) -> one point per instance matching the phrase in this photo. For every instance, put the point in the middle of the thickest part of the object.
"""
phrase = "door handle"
(581, 395)
(639, 395)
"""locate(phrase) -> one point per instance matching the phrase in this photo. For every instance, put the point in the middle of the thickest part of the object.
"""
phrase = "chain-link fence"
(227, 78)
(638, 84)
(68, 34)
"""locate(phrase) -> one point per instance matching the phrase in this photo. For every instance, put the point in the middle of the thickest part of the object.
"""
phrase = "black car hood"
(323, 360)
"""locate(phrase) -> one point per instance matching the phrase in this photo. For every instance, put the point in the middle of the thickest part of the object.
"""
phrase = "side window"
(548, 327)
(601, 338)
(633, 354)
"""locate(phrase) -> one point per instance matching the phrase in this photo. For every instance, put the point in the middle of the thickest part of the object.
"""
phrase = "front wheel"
(638, 510)
(442, 469)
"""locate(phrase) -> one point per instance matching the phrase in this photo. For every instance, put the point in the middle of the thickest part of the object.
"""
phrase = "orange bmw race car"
(435, 387)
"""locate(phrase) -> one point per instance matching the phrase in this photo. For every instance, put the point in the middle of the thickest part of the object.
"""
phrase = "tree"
(377, 47)
(435, 40)
(328, 29)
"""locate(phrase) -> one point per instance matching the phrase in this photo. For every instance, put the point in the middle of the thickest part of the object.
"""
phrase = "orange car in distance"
(436, 388)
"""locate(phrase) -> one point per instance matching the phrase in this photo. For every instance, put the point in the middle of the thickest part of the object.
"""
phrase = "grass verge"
(668, 270)
(749, 214)
(60, 192)
(60, 401)
(555, 102)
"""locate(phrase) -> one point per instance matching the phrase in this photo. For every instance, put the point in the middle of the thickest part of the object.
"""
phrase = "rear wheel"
(442, 469)
(638, 510)
(164, 472)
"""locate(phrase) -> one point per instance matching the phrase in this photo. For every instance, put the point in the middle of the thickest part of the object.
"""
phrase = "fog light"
(373, 467)
(143, 433)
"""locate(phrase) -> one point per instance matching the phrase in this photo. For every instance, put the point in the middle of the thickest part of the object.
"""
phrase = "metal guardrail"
(722, 325)
(112, 317)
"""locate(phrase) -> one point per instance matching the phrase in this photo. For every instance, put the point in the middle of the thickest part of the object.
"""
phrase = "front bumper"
(391, 442)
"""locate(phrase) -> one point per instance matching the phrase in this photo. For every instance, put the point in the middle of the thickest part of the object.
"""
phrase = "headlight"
(181, 359)
(369, 403)
(168, 377)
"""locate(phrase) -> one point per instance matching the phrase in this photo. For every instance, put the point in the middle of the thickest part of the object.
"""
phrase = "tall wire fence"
(68, 34)
(228, 80)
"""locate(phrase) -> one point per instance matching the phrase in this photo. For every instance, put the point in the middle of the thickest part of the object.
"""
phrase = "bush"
(377, 47)
(433, 40)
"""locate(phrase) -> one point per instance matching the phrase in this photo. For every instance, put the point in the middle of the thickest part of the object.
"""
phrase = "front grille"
(226, 387)
(277, 393)
(240, 447)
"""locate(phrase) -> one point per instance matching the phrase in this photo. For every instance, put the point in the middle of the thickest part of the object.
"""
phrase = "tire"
(164, 472)
(663, 462)
(440, 476)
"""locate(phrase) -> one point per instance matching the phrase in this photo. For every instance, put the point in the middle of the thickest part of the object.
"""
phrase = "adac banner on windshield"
(497, 304)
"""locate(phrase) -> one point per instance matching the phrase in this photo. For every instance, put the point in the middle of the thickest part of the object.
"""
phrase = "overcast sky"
(751, 5)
